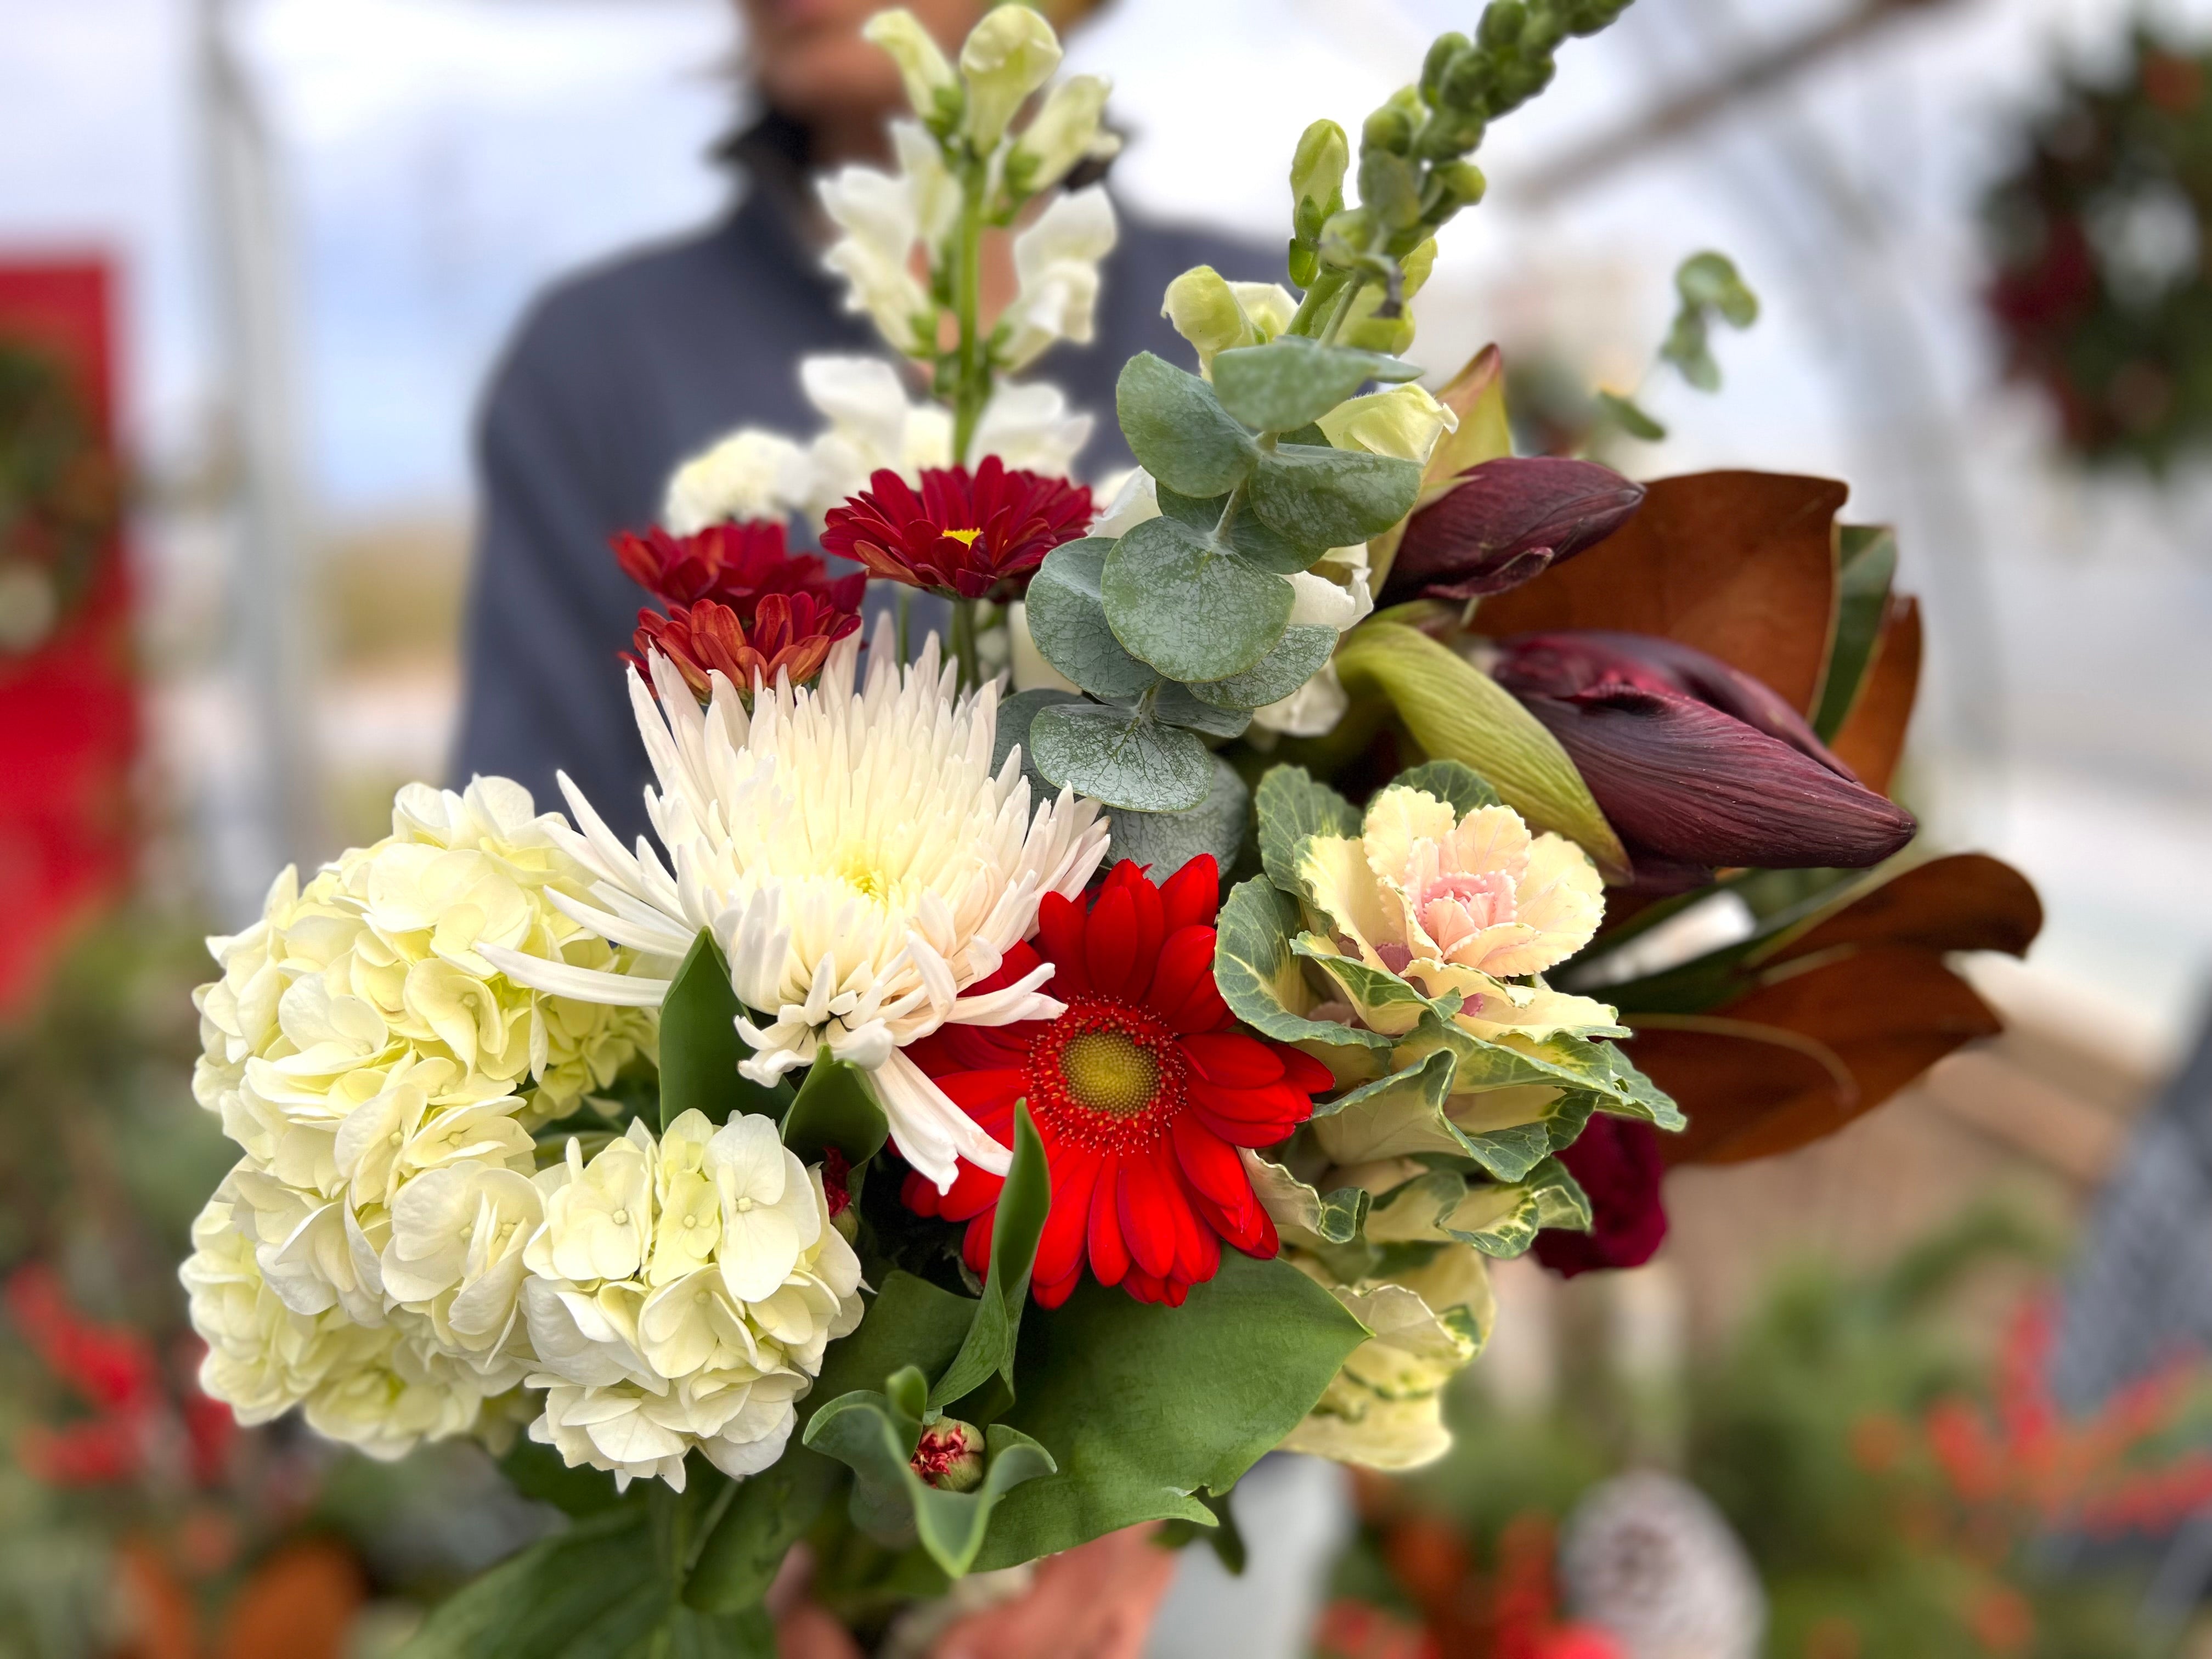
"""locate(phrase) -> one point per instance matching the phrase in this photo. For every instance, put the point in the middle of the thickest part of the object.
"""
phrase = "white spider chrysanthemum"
(861, 865)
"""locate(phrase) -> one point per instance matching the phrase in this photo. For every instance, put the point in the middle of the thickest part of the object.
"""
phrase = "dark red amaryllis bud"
(1505, 522)
(790, 634)
(1618, 1161)
(1575, 660)
(732, 564)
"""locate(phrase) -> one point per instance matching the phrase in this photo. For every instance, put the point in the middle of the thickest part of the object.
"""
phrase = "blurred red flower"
(734, 564)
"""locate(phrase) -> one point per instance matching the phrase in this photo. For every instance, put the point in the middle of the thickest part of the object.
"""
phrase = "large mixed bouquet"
(997, 1113)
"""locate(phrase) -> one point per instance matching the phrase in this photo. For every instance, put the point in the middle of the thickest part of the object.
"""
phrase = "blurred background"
(277, 245)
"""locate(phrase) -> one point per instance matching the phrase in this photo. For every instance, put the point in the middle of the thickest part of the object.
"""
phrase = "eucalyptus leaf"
(1023, 1202)
(1246, 534)
(1301, 654)
(1143, 1404)
(1258, 975)
(1015, 716)
(1177, 429)
(1163, 842)
(1331, 497)
(1292, 381)
(1188, 605)
(1174, 705)
(1291, 806)
(1068, 620)
(836, 1107)
(1458, 786)
(1121, 757)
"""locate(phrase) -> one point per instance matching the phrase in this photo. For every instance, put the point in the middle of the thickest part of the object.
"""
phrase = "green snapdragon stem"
(971, 368)
(964, 644)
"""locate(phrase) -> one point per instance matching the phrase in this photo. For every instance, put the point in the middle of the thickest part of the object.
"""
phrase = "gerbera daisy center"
(965, 537)
(1109, 1073)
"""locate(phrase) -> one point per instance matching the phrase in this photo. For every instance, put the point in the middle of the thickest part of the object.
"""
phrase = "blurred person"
(618, 374)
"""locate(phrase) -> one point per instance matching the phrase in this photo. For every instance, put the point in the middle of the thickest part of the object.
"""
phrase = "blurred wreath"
(58, 498)
(2097, 238)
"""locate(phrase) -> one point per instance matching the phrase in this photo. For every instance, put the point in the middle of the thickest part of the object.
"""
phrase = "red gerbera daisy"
(1142, 1092)
(732, 564)
(788, 634)
(975, 535)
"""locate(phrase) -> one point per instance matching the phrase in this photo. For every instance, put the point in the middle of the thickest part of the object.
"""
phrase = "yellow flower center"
(965, 537)
(1109, 1073)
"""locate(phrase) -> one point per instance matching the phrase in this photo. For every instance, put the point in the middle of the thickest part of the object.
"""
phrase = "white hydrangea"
(383, 1079)
(681, 1293)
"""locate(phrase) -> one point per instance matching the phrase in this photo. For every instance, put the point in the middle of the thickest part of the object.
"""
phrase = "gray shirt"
(619, 374)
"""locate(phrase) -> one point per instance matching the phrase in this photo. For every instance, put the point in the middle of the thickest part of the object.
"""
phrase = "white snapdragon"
(1006, 57)
(1067, 130)
(1057, 261)
(920, 62)
(711, 1282)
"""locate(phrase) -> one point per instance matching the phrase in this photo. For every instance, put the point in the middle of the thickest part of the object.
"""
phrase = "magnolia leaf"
(1174, 705)
(767, 1514)
(1143, 1404)
(1023, 1202)
(1457, 712)
(836, 1107)
(1259, 976)
(1164, 842)
(1177, 429)
(1291, 806)
(590, 1592)
(876, 1435)
(1317, 497)
(1302, 1214)
(1301, 654)
(1459, 787)
(1292, 381)
(700, 1048)
(1871, 739)
(1068, 620)
(1120, 756)
(1188, 605)
(1865, 563)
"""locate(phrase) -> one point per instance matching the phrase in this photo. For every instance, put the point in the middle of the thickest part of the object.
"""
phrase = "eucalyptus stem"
(971, 386)
(964, 644)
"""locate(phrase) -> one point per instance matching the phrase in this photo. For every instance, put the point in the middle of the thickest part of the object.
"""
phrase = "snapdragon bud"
(1066, 131)
(1318, 169)
(950, 1456)
(1008, 55)
(931, 85)
(1457, 185)
(1203, 309)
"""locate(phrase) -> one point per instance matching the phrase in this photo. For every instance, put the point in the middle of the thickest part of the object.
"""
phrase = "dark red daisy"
(975, 535)
(1142, 1092)
(788, 634)
(734, 564)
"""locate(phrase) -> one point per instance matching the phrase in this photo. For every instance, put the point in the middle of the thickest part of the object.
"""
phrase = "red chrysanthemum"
(1142, 1092)
(789, 633)
(977, 535)
(734, 564)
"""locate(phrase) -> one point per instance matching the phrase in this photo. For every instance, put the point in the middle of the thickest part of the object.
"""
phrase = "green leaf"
(1121, 757)
(912, 1322)
(538, 1473)
(1866, 561)
(1499, 1219)
(767, 1514)
(1459, 787)
(1457, 712)
(591, 1592)
(1384, 1001)
(1301, 654)
(1015, 716)
(1292, 806)
(1188, 605)
(1413, 1110)
(700, 1047)
(1175, 706)
(1258, 975)
(1177, 429)
(1024, 1203)
(1165, 842)
(1331, 497)
(748, 1633)
(1246, 534)
(1068, 620)
(836, 1107)
(1143, 1404)
(1304, 1214)
(1283, 384)
(1632, 419)
(877, 1434)
(1710, 281)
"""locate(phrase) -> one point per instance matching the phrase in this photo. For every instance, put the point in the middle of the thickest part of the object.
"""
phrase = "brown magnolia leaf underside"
(1885, 1013)
(1741, 565)
(1966, 902)
(1871, 741)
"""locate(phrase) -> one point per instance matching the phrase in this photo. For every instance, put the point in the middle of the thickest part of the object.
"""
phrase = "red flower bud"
(950, 1456)
(1505, 522)
(1618, 1161)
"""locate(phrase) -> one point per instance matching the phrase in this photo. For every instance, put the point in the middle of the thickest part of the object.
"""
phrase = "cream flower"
(1057, 261)
(1066, 130)
(751, 474)
(1454, 905)
(861, 863)
(880, 214)
(705, 1341)
(921, 66)
(1006, 57)
(1216, 315)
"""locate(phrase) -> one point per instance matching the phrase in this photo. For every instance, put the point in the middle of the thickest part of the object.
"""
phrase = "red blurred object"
(1620, 1166)
(69, 720)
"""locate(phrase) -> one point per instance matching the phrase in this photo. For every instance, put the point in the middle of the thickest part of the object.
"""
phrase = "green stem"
(1319, 298)
(971, 387)
(964, 644)
(1343, 310)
